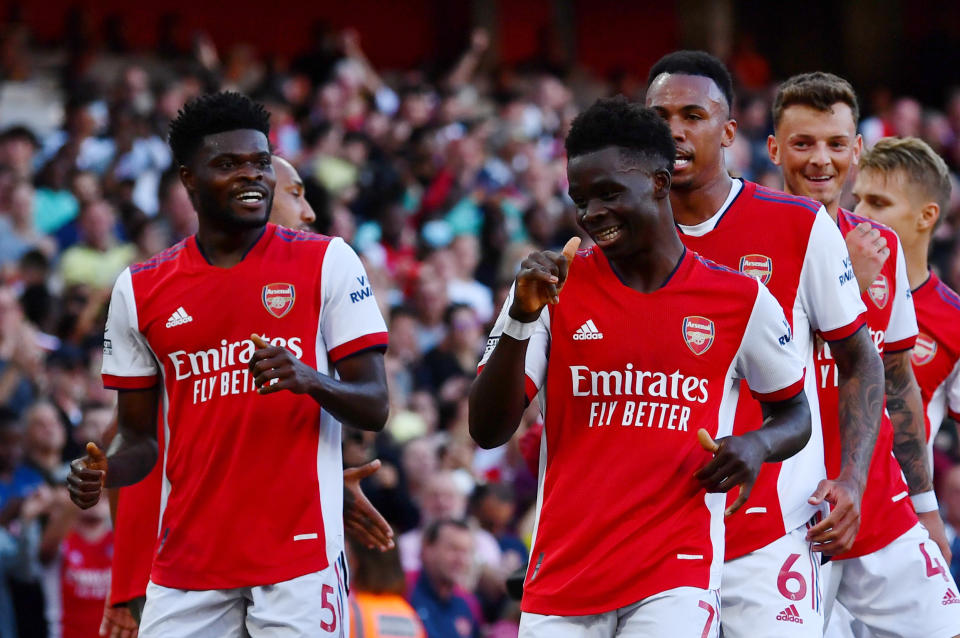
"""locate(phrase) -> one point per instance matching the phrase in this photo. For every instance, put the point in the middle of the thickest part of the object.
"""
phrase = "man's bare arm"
(861, 389)
(906, 415)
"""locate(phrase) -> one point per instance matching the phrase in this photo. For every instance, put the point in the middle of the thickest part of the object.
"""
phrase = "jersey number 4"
(934, 566)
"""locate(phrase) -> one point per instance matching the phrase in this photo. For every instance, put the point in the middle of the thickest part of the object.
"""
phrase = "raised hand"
(86, 478)
(868, 251)
(736, 461)
(361, 520)
(540, 280)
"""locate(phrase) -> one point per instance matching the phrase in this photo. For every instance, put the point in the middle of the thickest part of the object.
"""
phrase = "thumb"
(258, 341)
(98, 460)
(362, 472)
(823, 488)
(570, 248)
(706, 441)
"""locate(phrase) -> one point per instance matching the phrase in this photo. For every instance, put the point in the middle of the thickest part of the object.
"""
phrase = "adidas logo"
(178, 318)
(587, 332)
(950, 598)
(790, 614)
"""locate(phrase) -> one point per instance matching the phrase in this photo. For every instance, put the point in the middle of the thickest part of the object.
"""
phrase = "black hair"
(211, 114)
(432, 533)
(20, 132)
(695, 63)
(453, 309)
(618, 122)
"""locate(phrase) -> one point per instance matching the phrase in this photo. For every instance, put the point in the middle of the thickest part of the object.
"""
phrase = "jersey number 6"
(785, 576)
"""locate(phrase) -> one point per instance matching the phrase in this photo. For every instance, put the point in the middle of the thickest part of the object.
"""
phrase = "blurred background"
(429, 134)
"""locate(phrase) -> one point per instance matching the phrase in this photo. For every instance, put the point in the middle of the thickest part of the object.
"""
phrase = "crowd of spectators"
(442, 182)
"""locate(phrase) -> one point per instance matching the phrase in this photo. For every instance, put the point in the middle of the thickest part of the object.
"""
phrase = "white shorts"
(904, 590)
(307, 606)
(683, 612)
(774, 591)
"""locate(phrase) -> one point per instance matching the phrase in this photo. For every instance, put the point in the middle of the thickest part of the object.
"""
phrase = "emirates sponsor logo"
(790, 614)
(924, 350)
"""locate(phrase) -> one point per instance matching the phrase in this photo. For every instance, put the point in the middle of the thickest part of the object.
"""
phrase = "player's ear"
(186, 178)
(773, 150)
(729, 132)
(857, 149)
(661, 183)
(929, 215)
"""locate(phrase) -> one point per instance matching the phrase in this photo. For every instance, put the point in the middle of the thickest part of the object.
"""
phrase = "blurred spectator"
(457, 354)
(442, 498)
(378, 607)
(447, 547)
(100, 256)
(20, 356)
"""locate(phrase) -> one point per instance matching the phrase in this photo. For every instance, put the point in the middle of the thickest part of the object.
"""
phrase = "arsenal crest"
(757, 266)
(278, 299)
(879, 291)
(924, 350)
(698, 332)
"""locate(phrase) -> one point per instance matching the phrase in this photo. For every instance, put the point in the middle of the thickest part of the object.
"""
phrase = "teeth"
(610, 233)
(821, 178)
(250, 196)
(680, 162)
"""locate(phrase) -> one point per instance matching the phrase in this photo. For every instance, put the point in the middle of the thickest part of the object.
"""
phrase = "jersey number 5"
(325, 592)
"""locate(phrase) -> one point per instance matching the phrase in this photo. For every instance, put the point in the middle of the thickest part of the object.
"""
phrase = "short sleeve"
(128, 362)
(768, 359)
(535, 365)
(901, 332)
(952, 387)
(350, 320)
(828, 288)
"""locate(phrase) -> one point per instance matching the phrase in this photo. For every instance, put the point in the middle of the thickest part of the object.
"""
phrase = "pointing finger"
(258, 341)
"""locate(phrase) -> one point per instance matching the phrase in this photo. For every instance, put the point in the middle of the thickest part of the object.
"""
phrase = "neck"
(916, 258)
(225, 247)
(833, 208)
(647, 270)
(442, 586)
(691, 207)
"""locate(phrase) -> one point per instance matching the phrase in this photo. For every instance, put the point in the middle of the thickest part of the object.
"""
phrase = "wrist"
(925, 502)
(523, 317)
(519, 330)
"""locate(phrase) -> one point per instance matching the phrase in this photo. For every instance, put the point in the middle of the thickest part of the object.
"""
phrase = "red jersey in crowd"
(793, 247)
(626, 379)
(885, 511)
(84, 583)
(177, 320)
(936, 354)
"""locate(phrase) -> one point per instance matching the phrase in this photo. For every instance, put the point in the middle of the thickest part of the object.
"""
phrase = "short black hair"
(695, 63)
(432, 533)
(20, 132)
(618, 122)
(211, 114)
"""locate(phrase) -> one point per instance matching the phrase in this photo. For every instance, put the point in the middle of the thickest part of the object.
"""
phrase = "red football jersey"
(936, 355)
(252, 486)
(793, 247)
(84, 584)
(885, 511)
(620, 516)
(135, 533)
